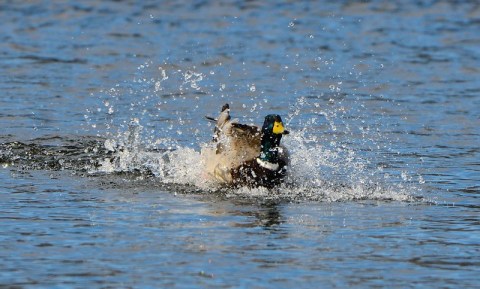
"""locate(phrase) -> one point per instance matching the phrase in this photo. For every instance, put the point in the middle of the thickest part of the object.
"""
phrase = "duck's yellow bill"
(278, 128)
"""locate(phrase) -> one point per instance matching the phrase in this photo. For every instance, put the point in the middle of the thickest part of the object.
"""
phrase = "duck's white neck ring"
(267, 165)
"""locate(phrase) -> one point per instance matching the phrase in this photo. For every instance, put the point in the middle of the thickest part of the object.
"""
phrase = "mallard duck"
(246, 155)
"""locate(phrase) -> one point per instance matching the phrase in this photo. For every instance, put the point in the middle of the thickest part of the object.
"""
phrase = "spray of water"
(326, 164)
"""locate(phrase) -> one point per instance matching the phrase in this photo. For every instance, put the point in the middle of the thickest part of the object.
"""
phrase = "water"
(102, 116)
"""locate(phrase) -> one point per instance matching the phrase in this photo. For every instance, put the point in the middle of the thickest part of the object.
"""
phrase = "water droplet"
(421, 180)
(191, 77)
(158, 86)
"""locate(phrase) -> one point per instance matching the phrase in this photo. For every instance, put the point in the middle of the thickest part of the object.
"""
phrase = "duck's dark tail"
(224, 107)
(220, 121)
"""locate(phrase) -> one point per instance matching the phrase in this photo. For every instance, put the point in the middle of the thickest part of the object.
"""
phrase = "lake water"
(102, 107)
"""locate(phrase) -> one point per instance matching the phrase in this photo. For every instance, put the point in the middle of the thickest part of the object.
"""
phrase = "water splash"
(316, 172)
(332, 147)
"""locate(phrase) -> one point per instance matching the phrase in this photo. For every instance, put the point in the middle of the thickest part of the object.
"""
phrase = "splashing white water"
(330, 157)
(316, 173)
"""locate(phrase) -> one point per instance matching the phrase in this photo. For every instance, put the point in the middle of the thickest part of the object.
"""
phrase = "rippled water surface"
(102, 107)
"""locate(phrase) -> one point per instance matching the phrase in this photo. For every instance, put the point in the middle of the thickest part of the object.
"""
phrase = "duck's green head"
(273, 125)
(272, 131)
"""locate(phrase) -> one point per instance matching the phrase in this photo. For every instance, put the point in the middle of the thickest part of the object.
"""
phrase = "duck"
(247, 155)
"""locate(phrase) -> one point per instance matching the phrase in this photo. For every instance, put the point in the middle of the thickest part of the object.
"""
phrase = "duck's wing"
(234, 142)
(245, 141)
(245, 131)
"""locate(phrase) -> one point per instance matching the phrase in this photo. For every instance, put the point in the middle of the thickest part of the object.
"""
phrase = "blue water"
(382, 101)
